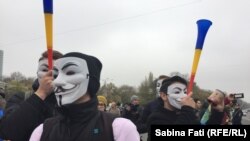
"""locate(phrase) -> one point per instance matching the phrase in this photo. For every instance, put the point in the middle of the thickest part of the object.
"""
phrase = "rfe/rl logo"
(226, 132)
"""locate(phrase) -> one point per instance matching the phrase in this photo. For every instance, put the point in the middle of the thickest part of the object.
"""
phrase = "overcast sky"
(135, 37)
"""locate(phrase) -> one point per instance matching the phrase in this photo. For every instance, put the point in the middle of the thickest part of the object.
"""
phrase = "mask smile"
(60, 90)
(178, 99)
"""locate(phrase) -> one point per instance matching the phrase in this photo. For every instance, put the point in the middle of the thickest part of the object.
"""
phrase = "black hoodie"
(19, 124)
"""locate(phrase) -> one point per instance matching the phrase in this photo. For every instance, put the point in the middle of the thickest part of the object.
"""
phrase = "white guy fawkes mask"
(43, 68)
(158, 87)
(72, 80)
(176, 91)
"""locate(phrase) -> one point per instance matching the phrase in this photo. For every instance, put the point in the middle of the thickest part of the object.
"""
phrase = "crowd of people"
(65, 106)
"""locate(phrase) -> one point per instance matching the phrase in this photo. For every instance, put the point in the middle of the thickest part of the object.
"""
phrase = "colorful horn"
(48, 14)
(203, 26)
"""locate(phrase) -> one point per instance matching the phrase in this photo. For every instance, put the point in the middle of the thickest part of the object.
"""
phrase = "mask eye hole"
(55, 76)
(176, 92)
(45, 70)
(70, 73)
(55, 73)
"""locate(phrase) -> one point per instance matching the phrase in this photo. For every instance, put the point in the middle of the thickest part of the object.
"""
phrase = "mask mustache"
(177, 97)
(59, 89)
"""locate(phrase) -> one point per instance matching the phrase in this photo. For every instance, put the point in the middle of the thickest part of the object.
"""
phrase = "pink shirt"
(123, 130)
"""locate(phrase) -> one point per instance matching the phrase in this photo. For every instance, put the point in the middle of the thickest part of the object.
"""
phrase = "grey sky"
(135, 37)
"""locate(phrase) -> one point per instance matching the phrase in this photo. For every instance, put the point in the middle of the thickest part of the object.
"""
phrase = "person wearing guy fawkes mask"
(79, 119)
(24, 115)
(176, 106)
(150, 106)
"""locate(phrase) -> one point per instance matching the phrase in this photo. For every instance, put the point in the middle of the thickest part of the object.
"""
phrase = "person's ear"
(163, 96)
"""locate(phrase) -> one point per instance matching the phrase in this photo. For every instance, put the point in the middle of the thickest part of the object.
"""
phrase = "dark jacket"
(237, 116)
(79, 122)
(148, 109)
(134, 113)
(18, 124)
(213, 118)
(14, 103)
(166, 117)
(216, 118)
